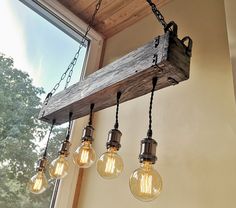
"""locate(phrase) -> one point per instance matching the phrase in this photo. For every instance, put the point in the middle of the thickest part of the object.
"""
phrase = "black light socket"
(148, 150)
(113, 139)
(88, 134)
(65, 147)
(41, 164)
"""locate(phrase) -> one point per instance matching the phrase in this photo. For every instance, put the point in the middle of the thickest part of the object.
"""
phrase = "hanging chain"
(157, 13)
(154, 82)
(72, 64)
(116, 126)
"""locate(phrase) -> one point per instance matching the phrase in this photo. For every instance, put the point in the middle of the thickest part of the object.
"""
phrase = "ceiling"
(114, 15)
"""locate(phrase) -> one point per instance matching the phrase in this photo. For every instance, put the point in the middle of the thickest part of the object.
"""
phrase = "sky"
(37, 47)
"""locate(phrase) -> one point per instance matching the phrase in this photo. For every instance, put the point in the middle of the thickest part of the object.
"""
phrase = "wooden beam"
(131, 74)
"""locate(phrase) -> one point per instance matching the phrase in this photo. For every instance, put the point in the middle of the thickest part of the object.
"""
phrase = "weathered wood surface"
(131, 74)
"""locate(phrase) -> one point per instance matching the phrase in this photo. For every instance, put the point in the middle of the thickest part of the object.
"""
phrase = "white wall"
(194, 122)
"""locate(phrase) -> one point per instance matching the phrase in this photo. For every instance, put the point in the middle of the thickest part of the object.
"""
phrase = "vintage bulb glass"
(38, 183)
(145, 182)
(59, 167)
(110, 164)
(85, 155)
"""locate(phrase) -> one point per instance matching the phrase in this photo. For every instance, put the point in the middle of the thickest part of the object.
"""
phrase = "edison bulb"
(59, 167)
(110, 164)
(38, 183)
(145, 182)
(85, 155)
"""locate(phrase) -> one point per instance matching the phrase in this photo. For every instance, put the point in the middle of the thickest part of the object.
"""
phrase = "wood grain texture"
(131, 74)
(114, 15)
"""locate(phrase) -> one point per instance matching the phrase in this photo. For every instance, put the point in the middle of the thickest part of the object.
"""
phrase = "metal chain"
(157, 13)
(72, 64)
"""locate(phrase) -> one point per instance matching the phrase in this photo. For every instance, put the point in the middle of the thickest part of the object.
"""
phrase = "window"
(41, 51)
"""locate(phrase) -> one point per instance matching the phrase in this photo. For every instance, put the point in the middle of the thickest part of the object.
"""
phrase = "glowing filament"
(84, 156)
(110, 165)
(59, 168)
(146, 184)
(38, 184)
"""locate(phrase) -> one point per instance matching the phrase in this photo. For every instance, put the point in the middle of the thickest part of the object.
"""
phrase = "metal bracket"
(189, 46)
(172, 81)
(172, 28)
(155, 56)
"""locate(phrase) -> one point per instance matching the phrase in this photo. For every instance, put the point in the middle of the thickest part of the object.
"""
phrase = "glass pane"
(33, 55)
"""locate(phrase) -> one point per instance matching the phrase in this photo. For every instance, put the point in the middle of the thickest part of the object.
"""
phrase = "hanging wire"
(116, 126)
(69, 126)
(90, 123)
(154, 82)
(72, 64)
(49, 135)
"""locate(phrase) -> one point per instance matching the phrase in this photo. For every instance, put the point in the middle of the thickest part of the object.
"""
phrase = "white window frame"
(67, 186)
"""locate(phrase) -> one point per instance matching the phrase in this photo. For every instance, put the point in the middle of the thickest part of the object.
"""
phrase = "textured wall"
(194, 122)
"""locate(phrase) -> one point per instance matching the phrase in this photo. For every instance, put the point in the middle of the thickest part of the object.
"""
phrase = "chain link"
(72, 64)
(157, 13)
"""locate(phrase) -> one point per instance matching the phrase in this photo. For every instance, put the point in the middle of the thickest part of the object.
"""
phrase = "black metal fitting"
(155, 56)
(113, 140)
(148, 150)
(41, 164)
(49, 95)
(172, 27)
(65, 147)
(172, 81)
(188, 46)
(88, 134)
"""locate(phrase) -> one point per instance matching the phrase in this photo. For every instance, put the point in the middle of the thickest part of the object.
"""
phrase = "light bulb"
(85, 155)
(145, 182)
(38, 183)
(110, 164)
(59, 167)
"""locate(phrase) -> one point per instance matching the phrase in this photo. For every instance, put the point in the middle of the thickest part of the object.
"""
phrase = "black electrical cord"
(69, 127)
(91, 115)
(154, 82)
(46, 148)
(116, 126)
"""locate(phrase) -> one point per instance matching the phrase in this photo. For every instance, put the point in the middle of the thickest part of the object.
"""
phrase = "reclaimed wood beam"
(166, 57)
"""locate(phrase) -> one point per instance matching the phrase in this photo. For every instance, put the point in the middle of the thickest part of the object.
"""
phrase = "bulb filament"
(84, 156)
(38, 184)
(110, 165)
(59, 169)
(146, 184)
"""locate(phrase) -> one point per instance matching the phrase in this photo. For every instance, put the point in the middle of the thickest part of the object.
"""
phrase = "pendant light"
(85, 155)
(59, 167)
(110, 164)
(38, 183)
(145, 182)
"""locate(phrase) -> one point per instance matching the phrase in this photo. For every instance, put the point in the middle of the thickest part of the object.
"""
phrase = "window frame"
(57, 14)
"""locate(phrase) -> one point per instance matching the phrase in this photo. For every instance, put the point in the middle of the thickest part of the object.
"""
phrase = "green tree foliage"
(20, 133)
